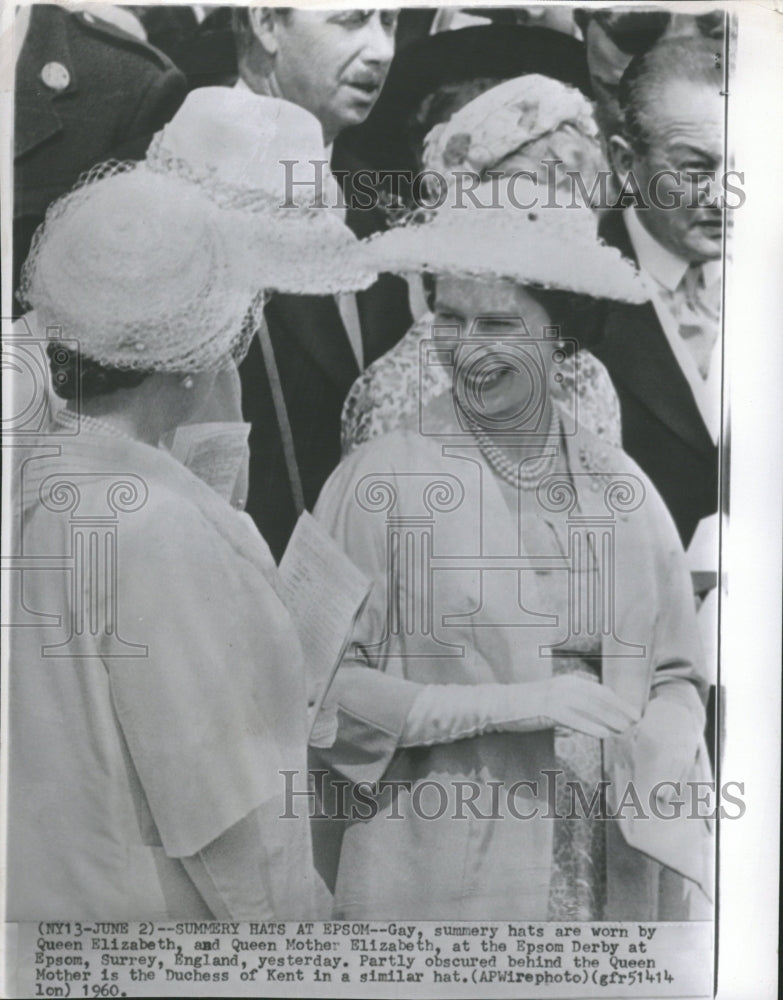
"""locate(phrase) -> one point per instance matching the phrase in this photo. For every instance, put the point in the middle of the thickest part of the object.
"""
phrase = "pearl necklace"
(83, 422)
(525, 475)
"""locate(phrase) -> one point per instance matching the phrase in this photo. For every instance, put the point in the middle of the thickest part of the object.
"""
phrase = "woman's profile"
(160, 692)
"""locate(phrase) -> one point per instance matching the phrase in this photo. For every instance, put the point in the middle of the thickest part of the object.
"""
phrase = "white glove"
(443, 713)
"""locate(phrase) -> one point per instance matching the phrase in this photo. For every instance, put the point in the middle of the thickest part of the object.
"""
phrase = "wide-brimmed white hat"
(512, 232)
(266, 156)
(144, 271)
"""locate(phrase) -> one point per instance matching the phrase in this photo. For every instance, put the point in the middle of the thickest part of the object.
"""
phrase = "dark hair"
(77, 377)
(632, 32)
(578, 317)
(682, 59)
(242, 28)
(636, 31)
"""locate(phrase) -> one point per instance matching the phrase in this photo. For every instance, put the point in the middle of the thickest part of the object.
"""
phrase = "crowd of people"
(450, 280)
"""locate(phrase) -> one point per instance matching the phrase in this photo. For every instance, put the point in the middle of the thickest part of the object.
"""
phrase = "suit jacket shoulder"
(109, 82)
(662, 427)
(86, 91)
(93, 26)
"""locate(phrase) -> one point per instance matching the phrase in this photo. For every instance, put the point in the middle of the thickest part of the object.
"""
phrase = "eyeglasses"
(635, 32)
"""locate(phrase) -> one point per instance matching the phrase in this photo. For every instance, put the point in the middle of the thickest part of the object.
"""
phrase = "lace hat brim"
(265, 157)
(142, 271)
(545, 247)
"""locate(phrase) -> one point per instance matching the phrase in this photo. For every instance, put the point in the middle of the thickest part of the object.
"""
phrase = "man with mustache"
(333, 64)
(664, 357)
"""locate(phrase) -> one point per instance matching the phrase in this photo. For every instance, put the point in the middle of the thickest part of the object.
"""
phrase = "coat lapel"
(638, 355)
(314, 320)
(36, 118)
(362, 216)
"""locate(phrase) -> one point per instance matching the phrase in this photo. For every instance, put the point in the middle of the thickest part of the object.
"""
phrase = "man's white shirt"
(664, 272)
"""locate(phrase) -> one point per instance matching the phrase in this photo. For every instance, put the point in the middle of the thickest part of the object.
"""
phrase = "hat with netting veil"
(266, 156)
(143, 270)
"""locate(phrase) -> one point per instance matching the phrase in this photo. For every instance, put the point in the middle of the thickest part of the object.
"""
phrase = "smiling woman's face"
(502, 367)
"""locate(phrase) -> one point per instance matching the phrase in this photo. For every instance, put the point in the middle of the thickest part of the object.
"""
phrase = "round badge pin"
(55, 76)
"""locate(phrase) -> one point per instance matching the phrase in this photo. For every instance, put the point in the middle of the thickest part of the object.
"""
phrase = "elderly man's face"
(334, 64)
(685, 139)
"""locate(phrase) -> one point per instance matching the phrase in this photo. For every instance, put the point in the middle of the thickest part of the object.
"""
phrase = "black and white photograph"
(392, 538)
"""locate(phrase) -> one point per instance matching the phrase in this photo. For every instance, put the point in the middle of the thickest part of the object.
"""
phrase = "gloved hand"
(444, 713)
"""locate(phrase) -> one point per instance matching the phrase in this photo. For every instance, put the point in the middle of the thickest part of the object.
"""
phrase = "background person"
(333, 64)
(664, 357)
(431, 78)
(85, 90)
(612, 38)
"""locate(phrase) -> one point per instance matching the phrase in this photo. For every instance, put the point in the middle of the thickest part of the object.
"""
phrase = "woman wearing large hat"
(534, 125)
(531, 630)
(160, 690)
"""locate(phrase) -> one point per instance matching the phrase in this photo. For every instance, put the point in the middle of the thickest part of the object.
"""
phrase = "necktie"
(697, 308)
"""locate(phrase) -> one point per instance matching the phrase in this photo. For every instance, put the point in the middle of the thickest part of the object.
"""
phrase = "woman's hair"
(77, 377)
(579, 317)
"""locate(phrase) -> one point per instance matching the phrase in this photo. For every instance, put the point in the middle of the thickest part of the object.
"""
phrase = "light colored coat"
(470, 868)
(146, 724)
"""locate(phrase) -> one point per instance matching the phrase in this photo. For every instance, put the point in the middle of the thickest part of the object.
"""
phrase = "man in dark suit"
(333, 64)
(85, 91)
(662, 427)
(664, 356)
